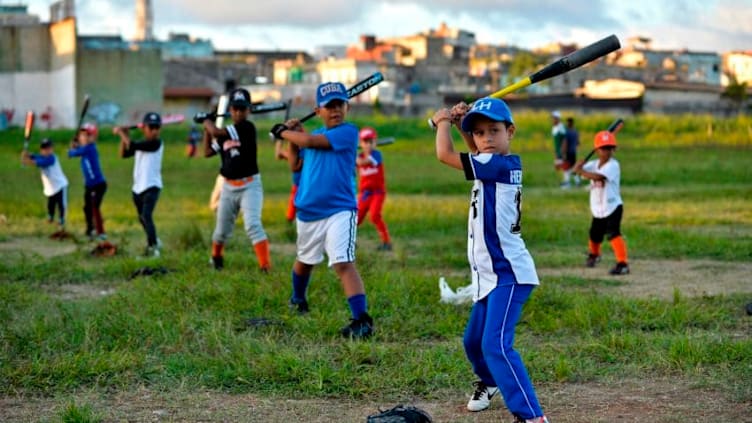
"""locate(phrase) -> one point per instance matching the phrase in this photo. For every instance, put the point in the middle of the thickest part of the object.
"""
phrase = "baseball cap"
(89, 128)
(240, 97)
(367, 133)
(45, 143)
(556, 114)
(490, 107)
(329, 91)
(604, 139)
(152, 118)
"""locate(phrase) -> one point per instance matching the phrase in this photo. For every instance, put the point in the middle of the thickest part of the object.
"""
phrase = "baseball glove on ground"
(104, 249)
(400, 414)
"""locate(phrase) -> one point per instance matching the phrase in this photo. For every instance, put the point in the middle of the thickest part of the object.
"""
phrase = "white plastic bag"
(461, 296)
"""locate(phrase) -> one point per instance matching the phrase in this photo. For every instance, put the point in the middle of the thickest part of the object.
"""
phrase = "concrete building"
(737, 64)
(47, 68)
(17, 15)
(37, 68)
(681, 66)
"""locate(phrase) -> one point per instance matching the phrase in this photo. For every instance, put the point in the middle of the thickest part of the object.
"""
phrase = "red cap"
(367, 133)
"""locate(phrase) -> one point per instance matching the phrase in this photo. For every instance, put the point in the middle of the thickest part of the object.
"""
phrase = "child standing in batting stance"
(605, 202)
(84, 146)
(147, 174)
(54, 182)
(503, 272)
(372, 186)
(325, 203)
(242, 189)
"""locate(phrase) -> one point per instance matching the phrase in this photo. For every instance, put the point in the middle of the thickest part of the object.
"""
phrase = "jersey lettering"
(515, 176)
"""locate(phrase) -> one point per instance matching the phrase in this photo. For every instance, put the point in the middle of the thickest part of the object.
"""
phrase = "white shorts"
(334, 235)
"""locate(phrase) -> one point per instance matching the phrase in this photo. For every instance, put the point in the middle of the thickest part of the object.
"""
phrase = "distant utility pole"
(144, 21)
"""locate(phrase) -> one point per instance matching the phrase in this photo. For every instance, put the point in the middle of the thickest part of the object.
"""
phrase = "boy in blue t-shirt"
(325, 203)
(84, 146)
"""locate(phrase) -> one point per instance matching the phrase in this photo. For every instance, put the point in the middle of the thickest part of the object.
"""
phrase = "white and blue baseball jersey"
(326, 182)
(495, 249)
(53, 178)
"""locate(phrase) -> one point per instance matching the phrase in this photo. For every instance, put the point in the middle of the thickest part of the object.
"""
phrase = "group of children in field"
(326, 212)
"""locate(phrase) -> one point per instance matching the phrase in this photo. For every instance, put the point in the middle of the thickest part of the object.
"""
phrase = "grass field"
(78, 331)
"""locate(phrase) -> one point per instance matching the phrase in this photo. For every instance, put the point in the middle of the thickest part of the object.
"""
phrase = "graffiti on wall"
(105, 112)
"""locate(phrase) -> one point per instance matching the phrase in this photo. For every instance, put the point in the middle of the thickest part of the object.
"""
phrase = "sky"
(701, 26)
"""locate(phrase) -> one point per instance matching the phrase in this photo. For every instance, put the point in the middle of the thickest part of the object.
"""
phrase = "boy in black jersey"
(242, 189)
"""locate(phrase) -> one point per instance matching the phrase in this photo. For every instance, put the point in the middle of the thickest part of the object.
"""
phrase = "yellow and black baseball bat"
(571, 61)
(565, 64)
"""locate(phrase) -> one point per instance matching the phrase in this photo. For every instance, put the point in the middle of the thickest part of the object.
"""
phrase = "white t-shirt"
(558, 130)
(495, 249)
(147, 170)
(604, 195)
(53, 178)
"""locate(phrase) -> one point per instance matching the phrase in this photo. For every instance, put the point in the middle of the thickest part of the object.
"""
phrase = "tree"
(736, 92)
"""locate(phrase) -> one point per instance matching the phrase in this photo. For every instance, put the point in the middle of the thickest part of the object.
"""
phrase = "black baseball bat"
(255, 109)
(356, 89)
(84, 109)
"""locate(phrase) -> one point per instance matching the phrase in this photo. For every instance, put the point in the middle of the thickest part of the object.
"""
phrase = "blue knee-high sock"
(299, 287)
(357, 305)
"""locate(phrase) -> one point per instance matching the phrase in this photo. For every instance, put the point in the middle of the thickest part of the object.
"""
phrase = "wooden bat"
(28, 127)
(166, 120)
(565, 64)
(614, 128)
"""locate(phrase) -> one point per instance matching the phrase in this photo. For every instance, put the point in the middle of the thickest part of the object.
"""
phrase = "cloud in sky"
(709, 25)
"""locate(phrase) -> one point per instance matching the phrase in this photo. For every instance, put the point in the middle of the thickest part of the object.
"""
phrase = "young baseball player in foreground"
(372, 186)
(242, 189)
(54, 182)
(147, 174)
(503, 272)
(325, 203)
(605, 202)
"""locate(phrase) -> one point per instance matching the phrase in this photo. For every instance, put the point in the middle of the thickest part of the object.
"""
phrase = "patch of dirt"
(44, 247)
(655, 401)
(77, 292)
(659, 278)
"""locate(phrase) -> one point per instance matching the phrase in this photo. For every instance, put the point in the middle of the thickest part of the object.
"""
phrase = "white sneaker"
(152, 251)
(481, 398)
